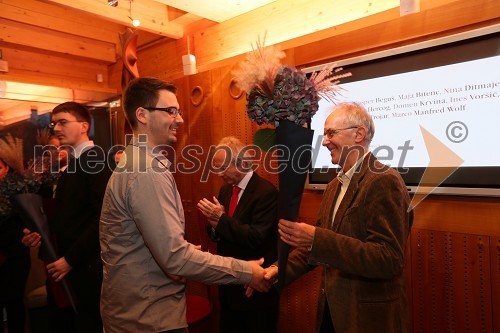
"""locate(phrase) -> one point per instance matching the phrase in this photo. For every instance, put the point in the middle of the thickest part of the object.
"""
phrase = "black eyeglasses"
(63, 122)
(171, 110)
(331, 132)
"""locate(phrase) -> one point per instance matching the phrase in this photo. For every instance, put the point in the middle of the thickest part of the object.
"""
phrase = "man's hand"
(258, 282)
(31, 239)
(296, 234)
(212, 210)
(58, 269)
(176, 278)
(271, 274)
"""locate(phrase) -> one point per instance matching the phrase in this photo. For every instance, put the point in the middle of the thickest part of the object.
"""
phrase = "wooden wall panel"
(199, 106)
(462, 214)
(232, 111)
(409, 281)
(299, 303)
(162, 60)
(451, 282)
(196, 131)
(495, 281)
(299, 300)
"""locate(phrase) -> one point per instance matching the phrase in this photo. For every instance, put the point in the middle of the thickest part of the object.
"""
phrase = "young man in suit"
(75, 224)
(243, 221)
(360, 235)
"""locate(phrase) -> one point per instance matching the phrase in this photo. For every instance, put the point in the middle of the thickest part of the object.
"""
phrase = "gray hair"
(357, 115)
(235, 147)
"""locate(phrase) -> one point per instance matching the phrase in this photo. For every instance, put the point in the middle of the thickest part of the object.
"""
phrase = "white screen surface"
(459, 104)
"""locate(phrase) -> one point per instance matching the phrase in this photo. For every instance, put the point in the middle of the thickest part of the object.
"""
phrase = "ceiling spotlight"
(135, 22)
(113, 3)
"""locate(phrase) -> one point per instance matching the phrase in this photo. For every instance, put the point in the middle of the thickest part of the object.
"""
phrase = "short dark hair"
(143, 92)
(79, 111)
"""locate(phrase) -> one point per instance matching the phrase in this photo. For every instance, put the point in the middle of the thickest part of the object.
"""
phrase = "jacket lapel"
(351, 192)
(225, 196)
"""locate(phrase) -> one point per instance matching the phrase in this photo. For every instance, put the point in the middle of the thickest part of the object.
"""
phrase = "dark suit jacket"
(363, 253)
(249, 235)
(75, 224)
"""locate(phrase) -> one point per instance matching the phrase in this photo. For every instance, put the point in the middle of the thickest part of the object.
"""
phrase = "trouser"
(326, 322)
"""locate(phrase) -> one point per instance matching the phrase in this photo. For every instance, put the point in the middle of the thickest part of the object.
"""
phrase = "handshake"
(262, 278)
(295, 234)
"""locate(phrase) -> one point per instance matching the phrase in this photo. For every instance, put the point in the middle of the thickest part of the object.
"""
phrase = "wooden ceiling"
(86, 28)
(69, 44)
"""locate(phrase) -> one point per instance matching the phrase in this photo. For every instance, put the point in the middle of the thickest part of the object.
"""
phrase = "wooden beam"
(60, 19)
(12, 108)
(186, 19)
(19, 98)
(404, 30)
(55, 94)
(281, 21)
(45, 68)
(31, 36)
(174, 13)
(217, 11)
(34, 78)
(153, 15)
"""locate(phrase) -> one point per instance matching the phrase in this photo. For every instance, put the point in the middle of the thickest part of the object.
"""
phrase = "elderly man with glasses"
(360, 234)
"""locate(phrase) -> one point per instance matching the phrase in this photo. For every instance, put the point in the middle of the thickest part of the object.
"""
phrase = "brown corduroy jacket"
(363, 252)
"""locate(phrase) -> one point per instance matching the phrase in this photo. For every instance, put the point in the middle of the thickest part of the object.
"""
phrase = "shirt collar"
(244, 182)
(143, 145)
(347, 176)
(82, 147)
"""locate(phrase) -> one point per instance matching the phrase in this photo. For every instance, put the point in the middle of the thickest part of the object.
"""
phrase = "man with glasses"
(74, 226)
(142, 226)
(360, 235)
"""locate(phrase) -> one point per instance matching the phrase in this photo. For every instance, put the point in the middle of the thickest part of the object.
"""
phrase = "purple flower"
(294, 98)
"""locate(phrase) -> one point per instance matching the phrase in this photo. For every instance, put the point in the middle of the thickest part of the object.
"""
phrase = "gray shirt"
(142, 239)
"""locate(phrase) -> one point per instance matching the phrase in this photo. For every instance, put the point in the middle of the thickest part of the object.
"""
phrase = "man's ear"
(142, 115)
(85, 127)
(360, 134)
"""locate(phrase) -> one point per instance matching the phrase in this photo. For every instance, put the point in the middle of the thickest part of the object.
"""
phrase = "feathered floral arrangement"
(39, 171)
(276, 92)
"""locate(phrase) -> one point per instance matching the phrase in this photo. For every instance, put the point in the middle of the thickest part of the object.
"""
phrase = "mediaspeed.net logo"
(194, 158)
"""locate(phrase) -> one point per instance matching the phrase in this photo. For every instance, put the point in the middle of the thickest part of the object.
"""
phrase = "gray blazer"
(363, 253)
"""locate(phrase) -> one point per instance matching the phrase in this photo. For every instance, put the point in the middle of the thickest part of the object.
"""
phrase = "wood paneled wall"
(453, 262)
